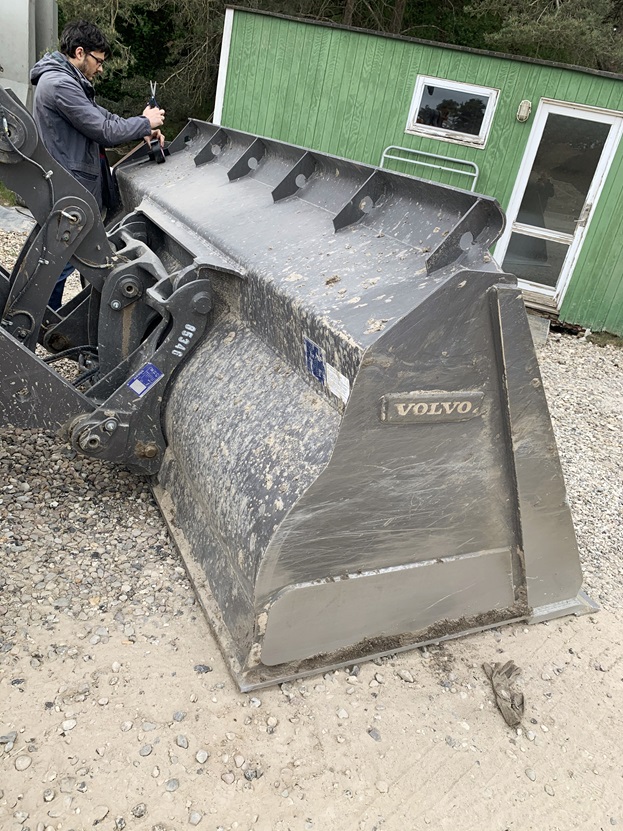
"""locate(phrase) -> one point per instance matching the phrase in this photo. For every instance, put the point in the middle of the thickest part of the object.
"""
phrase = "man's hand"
(155, 134)
(155, 116)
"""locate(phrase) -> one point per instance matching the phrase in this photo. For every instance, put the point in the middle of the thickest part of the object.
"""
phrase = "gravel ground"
(99, 632)
(92, 532)
(584, 387)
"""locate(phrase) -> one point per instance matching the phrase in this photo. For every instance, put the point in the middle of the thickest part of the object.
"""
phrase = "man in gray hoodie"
(74, 129)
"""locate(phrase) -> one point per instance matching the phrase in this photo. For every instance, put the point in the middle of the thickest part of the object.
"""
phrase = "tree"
(439, 20)
(568, 31)
(173, 42)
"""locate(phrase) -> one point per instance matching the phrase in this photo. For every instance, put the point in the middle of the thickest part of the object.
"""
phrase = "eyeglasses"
(100, 61)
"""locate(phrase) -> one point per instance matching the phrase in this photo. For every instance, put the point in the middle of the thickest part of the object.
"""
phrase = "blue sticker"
(314, 360)
(144, 379)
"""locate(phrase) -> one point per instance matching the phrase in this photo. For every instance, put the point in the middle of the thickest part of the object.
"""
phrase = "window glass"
(461, 112)
(562, 172)
(534, 259)
(452, 111)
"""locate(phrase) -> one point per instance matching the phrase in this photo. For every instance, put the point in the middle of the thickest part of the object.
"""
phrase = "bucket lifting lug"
(127, 427)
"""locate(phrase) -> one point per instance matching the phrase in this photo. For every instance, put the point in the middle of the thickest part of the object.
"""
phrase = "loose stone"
(531, 774)
(405, 675)
(202, 668)
(148, 726)
(139, 810)
(374, 734)
(67, 784)
(202, 756)
(341, 713)
(228, 778)
(179, 716)
(23, 762)
(145, 750)
(48, 795)
(172, 785)
(195, 817)
(69, 724)
(182, 741)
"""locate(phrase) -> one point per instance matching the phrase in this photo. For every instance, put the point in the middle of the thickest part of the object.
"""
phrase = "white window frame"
(452, 136)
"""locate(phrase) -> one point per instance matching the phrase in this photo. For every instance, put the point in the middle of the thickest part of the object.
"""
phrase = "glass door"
(566, 161)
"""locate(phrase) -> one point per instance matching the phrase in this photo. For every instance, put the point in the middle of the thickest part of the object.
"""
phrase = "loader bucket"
(360, 457)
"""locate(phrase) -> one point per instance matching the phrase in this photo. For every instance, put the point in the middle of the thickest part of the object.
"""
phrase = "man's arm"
(154, 115)
(97, 123)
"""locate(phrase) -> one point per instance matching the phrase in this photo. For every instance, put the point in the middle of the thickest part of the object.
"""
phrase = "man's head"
(85, 46)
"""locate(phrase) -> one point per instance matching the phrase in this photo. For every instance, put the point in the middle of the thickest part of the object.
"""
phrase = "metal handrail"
(472, 173)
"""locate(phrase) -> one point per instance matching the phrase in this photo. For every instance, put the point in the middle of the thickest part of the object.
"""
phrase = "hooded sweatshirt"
(72, 126)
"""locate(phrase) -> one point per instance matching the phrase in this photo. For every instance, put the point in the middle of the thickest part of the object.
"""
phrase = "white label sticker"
(138, 387)
(337, 383)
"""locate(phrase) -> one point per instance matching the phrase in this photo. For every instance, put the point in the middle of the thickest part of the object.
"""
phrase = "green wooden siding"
(348, 93)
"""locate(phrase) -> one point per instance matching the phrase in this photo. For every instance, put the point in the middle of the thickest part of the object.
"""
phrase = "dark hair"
(81, 33)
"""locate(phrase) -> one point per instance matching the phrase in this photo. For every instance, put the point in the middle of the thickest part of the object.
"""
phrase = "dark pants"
(56, 298)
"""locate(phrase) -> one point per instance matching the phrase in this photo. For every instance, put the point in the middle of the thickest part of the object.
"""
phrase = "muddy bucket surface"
(360, 457)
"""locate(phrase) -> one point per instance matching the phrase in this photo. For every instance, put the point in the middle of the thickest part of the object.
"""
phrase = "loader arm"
(121, 329)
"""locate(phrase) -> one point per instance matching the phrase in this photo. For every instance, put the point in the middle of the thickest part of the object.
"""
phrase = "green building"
(542, 138)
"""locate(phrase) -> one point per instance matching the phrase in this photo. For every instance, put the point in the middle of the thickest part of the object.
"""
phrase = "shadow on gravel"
(605, 339)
